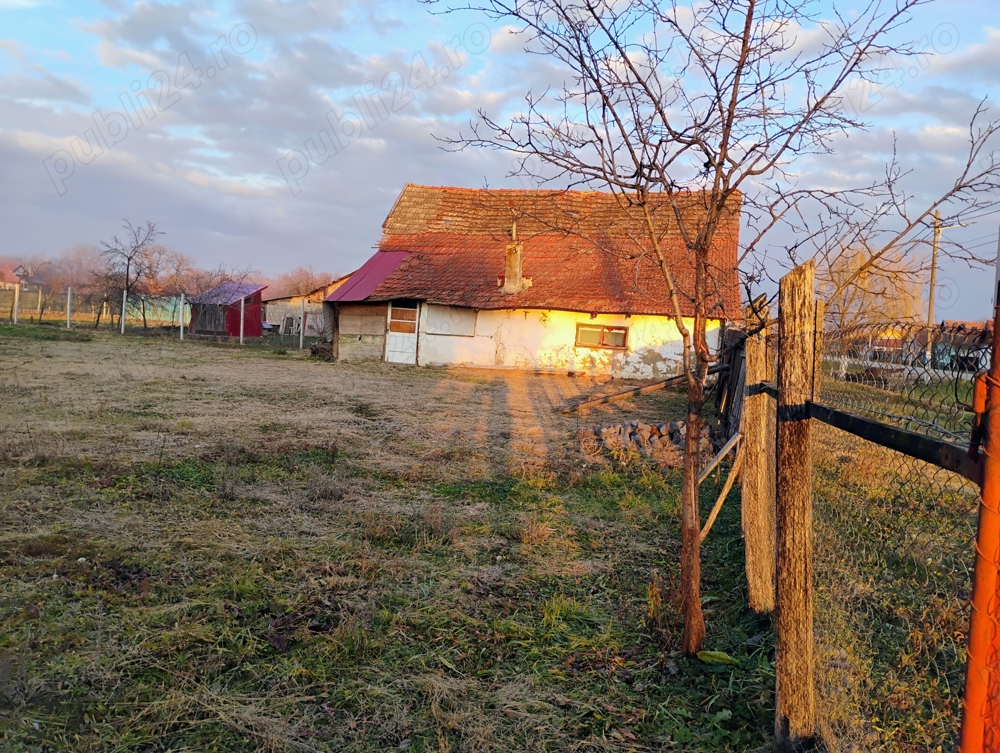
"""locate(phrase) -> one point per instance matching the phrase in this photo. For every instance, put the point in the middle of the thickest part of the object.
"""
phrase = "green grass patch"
(44, 332)
(520, 628)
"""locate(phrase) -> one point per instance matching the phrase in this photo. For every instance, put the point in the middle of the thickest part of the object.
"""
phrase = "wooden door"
(401, 339)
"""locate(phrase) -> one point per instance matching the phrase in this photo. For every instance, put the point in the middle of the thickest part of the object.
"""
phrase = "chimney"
(513, 281)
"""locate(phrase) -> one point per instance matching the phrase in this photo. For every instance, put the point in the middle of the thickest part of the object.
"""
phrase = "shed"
(217, 311)
(285, 312)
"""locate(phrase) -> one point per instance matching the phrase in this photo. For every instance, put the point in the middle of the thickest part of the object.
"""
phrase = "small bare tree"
(128, 256)
(668, 103)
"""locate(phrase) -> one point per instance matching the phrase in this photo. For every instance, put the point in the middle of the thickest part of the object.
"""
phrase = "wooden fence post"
(758, 472)
(796, 705)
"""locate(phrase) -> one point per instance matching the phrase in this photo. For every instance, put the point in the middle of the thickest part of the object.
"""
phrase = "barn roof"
(228, 292)
(583, 251)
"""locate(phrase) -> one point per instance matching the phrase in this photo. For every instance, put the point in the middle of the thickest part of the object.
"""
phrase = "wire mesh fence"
(894, 538)
(145, 315)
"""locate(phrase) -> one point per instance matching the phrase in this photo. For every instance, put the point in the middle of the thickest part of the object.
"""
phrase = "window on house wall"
(599, 336)
(451, 320)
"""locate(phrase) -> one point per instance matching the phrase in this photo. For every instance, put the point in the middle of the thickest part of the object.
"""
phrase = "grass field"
(209, 549)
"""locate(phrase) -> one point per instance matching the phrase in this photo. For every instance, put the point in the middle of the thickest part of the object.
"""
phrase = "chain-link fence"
(145, 315)
(894, 538)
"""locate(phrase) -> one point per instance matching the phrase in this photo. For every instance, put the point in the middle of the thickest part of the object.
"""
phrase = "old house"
(285, 312)
(557, 280)
(219, 311)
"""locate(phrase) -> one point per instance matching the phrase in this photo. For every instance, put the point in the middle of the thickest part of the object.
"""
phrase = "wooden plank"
(757, 498)
(714, 369)
(718, 457)
(934, 451)
(795, 713)
(733, 473)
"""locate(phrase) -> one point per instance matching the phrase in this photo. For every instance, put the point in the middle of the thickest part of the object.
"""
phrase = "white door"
(401, 339)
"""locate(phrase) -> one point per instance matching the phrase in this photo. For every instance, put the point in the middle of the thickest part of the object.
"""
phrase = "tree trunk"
(694, 621)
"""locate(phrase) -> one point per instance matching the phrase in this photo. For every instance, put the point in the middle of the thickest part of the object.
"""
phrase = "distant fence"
(861, 502)
(145, 315)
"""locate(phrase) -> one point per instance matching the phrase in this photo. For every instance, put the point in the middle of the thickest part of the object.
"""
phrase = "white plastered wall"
(536, 339)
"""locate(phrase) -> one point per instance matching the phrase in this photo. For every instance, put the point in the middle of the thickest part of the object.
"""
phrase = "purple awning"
(366, 280)
(228, 292)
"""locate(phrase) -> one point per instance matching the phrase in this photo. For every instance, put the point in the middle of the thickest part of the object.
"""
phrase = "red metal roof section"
(367, 279)
(583, 251)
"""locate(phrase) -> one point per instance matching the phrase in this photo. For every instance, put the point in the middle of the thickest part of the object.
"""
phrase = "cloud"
(13, 48)
(42, 87)
(206, 163)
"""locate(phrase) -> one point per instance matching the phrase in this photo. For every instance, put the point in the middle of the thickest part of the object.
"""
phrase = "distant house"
(8, 279)
(549, 280)
(284, 312)
(217, 311)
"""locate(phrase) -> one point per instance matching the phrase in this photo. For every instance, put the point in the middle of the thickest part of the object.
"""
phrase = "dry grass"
(203, 548)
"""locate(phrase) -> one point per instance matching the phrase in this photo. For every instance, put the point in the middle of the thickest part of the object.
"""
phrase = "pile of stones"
(649, 437)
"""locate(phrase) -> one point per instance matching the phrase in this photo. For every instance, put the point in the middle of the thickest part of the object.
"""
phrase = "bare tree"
(668, 103)
(859, 290)
(299, 281)
(128, 256)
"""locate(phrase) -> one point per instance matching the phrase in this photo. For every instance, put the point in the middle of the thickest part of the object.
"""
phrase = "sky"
(204, 117)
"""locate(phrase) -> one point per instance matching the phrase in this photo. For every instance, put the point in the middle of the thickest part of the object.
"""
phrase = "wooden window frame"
(604, 329)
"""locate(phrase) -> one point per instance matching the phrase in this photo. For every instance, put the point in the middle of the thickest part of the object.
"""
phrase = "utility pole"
(930, 296)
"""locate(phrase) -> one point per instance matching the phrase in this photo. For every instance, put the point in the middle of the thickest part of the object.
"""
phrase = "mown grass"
(49, 332)
(242, 600)
(939, 406)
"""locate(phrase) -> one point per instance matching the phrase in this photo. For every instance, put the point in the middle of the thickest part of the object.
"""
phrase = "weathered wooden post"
(758, 471)
(796, 705)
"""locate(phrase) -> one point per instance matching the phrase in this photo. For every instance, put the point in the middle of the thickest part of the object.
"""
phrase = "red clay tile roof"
(583, 251)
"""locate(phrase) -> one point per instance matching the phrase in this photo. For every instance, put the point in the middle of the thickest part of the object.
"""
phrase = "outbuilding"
(533, 279)
(230, 309)
(285, 312)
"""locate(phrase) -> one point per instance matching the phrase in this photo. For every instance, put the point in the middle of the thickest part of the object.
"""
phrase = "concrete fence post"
(17, 300)
(794, 664)
(242, 313)
(69, 307)
(124, 305)
(182, 316)
(302, 325)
